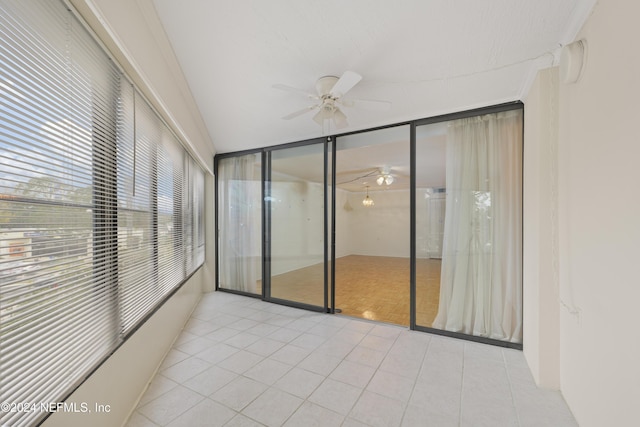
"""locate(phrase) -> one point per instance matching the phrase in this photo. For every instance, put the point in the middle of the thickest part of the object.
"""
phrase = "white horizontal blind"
(197, 179)
(93, 202)
(136, 212)
(194, 209)
(150, 212)
(57, 133)
(171, 251)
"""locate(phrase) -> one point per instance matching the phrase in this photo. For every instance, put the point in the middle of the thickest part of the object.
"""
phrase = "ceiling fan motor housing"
(325, 84)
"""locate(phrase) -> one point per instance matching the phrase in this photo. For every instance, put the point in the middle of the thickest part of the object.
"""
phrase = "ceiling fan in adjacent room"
(329, 97)
(383, 176)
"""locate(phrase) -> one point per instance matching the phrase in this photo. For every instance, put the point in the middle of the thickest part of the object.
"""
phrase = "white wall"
(133, 33)
(599, 213)
(541, 322)
(297, 225)
(380, 230)
(298, 221)
(344, 207)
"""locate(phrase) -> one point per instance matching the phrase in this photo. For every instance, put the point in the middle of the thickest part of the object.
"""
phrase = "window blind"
(99, 203)
(197, 179)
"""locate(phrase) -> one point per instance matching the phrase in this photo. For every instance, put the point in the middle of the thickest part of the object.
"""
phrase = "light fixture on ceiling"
(385, 177)
(367, 202)
(329, 99)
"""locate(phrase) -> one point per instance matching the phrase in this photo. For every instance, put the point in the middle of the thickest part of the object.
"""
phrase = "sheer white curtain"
(480, 287)
(240, 234)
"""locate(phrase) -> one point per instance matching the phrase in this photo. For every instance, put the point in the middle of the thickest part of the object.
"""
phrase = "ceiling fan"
(329, 97)
(383, 176)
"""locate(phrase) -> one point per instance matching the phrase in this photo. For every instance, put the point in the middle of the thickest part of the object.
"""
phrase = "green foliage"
(63, 214)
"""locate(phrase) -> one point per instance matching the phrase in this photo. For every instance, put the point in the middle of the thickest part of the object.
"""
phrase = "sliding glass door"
(372, 227)
(468, 229)
(239, 218)
(295, 203)
(425, 219)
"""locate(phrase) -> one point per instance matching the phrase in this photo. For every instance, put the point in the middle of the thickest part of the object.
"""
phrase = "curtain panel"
(481, 277)
(240, 234)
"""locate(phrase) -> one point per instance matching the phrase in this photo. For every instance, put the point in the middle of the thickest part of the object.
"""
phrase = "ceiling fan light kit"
(385, 176)
(330, 91)
(385, 179)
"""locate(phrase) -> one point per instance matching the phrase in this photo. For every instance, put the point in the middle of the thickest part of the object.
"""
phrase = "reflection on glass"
(297, 224)
(240, 224)
(469, 226)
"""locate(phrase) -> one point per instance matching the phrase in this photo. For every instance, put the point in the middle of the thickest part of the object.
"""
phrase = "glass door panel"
(296, 204)
(430, 208)
(372, 225)
(469, 226)
(240, 223)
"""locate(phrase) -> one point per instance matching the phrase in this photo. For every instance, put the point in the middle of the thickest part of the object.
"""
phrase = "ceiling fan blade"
(340, 119)
(348, 80)
(299, 112)
(295, 90)
(366, 104)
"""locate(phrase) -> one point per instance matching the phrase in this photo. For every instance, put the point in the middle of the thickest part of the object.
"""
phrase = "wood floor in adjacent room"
(369, 287)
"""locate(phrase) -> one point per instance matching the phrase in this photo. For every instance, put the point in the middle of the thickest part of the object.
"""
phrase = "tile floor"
(245, 362)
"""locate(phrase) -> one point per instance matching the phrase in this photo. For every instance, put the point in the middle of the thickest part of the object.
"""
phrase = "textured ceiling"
(427, 57)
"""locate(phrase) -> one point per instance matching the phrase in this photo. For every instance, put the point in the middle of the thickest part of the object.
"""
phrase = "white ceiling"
(427, 57)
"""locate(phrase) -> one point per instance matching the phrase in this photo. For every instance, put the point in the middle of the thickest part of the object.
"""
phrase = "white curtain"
(240, 234)
(481, 277)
